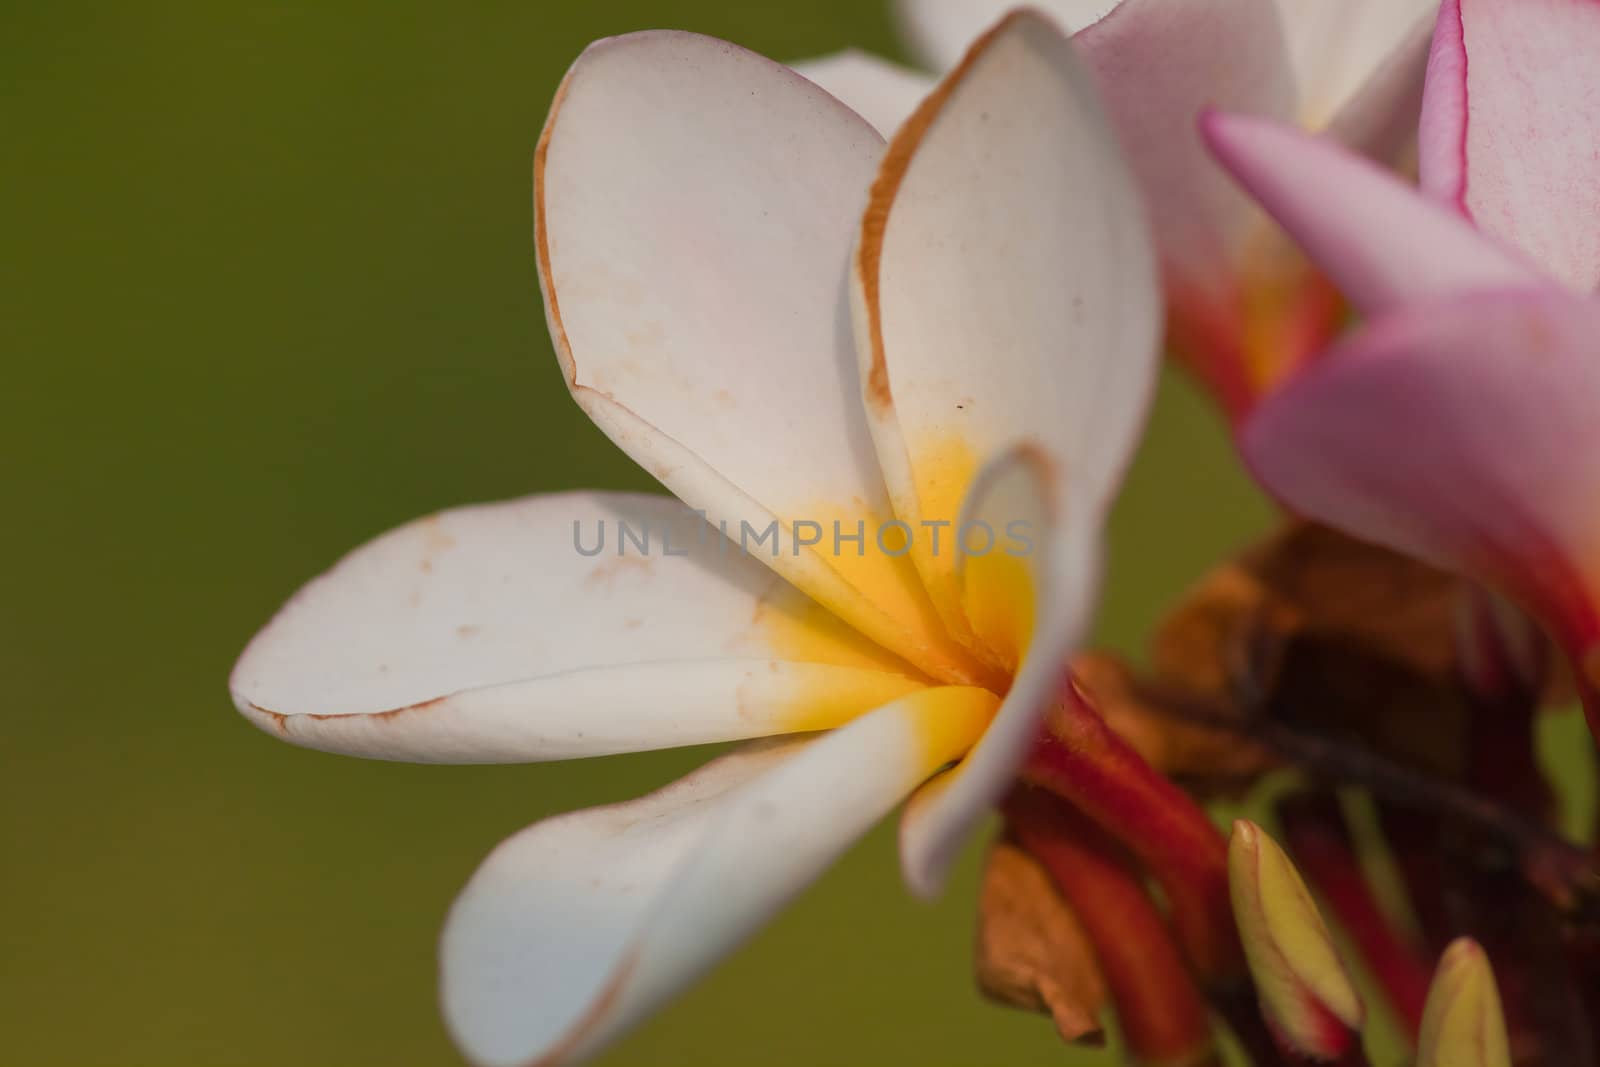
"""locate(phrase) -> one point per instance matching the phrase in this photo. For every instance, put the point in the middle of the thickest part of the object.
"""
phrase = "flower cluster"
(848, 295)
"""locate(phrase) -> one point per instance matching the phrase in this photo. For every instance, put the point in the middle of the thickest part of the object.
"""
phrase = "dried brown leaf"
(1329, 633)
(1032, 952)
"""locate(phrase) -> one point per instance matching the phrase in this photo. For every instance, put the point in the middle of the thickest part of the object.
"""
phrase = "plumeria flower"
(1460, 425)
(977, 347)
(1244, 309)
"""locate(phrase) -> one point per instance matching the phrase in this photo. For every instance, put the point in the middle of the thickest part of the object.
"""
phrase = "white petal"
(939, 32)
(883, 93)
(1038, 604)
(577, 927)
(1156, 64)
(1379, 119)
(1338, 45)
(484, 635)
(1005, 287)
(694, 207)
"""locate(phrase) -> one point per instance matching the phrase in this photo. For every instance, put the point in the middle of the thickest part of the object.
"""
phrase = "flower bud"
(1305, 992)
(1463, 1025)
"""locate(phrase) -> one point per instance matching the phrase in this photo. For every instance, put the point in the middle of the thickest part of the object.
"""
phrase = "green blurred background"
(268, 291)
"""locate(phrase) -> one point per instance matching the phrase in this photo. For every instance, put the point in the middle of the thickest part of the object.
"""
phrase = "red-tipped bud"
(1306, 993)
(1463, 1025)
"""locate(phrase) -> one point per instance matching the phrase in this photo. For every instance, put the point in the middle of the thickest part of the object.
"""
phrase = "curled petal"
(883, 93)
(694, 210)
(579, 926)
(1461, 431)
(1509, 126)
(1373, 235)
(487, 634)
(1004, 288)
(1033, 601)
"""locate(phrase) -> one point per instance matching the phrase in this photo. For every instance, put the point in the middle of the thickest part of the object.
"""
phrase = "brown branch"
(1564, 872)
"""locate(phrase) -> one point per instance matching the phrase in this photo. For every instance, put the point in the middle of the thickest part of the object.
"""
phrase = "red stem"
(1413, 839)
(1318, 838)
(1162, 1014)
(1503, 663)
(1080, 759)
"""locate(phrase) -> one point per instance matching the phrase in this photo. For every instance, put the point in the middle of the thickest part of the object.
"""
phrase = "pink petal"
(1442, 135)
(1463, 431)
(1511, 125)
(1157, 64)
(1373, 235)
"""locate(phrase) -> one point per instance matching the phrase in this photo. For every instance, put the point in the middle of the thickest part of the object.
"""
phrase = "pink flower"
(1461, 425)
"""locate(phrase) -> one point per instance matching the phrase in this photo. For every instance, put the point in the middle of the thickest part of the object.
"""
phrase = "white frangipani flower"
(1244, 311)
(979, 344)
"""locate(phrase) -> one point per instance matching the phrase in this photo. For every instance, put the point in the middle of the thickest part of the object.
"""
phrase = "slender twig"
(1564, 872)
